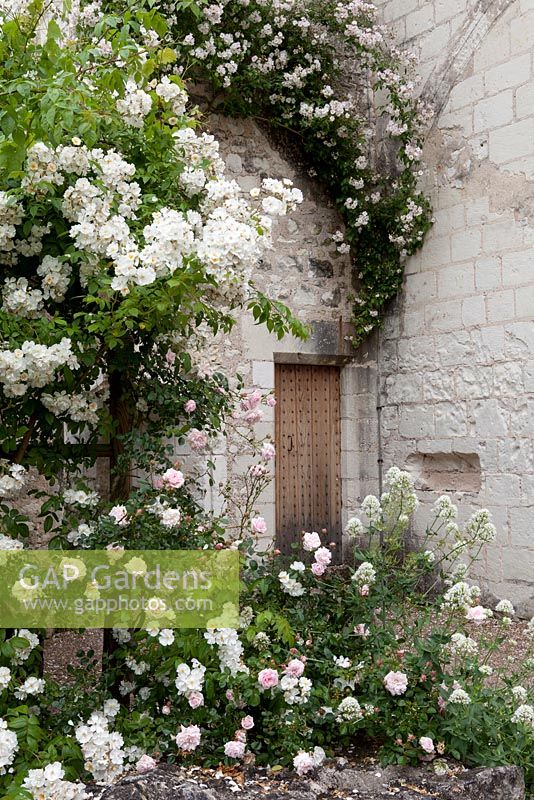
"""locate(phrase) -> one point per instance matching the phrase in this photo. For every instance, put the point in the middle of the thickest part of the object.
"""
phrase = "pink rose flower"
(396, 683)
(268, 678)
(294, 668)
(190, 406)
(318, 570)
(323, 556)
(270, 401)
(166, 709)
(240, 736)
(170, 357)
(258, 470)
(173, 478)
(427, 744)
(311, 541)
(188, 738)
(195, 699)
(229, 694)
(251, 401)
(197, 440)
(247, 723)
(119, 514)
(303, 763)
(145, 764)
(477, 614)
(268, 451)
(253, 417)
(234, 749)
(258, 525)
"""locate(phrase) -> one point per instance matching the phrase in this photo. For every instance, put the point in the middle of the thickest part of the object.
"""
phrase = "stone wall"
(456, 359)
(303, 270)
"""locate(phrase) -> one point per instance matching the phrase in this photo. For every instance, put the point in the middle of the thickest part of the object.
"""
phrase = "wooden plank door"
(308, 453)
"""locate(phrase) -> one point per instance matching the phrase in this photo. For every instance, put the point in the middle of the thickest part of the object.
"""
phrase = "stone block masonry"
(458, 372)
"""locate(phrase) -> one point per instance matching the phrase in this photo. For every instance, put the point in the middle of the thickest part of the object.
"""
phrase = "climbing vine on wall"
(327, 72)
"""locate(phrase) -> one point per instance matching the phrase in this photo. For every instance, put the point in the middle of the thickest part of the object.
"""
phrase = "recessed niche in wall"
(445, 472)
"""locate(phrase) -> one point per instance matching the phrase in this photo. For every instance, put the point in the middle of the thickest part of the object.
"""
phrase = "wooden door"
(308, 453)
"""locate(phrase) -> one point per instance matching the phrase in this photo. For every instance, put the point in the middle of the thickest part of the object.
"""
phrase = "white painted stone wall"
(456, 359)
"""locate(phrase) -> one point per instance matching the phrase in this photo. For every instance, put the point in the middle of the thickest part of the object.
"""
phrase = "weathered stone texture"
(500, 783)
(466, 319)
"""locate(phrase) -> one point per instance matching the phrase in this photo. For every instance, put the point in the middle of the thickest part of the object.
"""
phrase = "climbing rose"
(427, 744)
(234, 749)
(188, 738)
(258, 525)
(268, 678)
(190, 406)
(197, 440)
(396, 683)
(303, 762)
(478, 615)
(119, 514)
(172, 479)
(145, 764)
(294, 668)
(247, 723)
(323, 556)
(267, 451)
(318, 570)
(311, 541)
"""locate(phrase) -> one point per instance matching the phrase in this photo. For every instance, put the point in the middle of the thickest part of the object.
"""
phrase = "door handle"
(290, 444)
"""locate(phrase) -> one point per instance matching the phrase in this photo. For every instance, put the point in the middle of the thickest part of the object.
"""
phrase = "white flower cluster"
(34, 365)
(480, 529)
(134, 105)
(19, 299)
(168, 516)
(365, 575)
(172, 93)
(463, 646)
(230, 649)
(400, 501)
(5, 678)
(31, 686)
(81, 407)
(354, 528)
(445, 509)
(11, 215)
(13, 479)
(460, 596)
(524, 715)
(23, 653)
(80, 498)
(290, 586)
(48, 784)
(80, 535)
(8, 746)
(296, 690)
(190, 681)
(349, 710)
(371, 508)
(459, 697)
(101, 748)
(55, 274)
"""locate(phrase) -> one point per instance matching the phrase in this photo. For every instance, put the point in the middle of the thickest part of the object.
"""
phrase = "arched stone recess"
(306, 272)
(456, 360)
